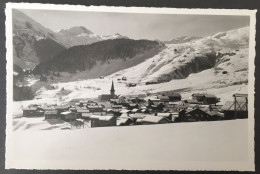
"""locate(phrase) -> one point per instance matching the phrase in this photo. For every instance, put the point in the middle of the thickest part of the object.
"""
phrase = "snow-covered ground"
(165, 147)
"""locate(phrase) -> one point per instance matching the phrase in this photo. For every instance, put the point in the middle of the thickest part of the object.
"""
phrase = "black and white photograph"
(130, 88)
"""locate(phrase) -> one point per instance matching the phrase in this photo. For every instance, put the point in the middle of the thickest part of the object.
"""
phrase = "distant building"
(205, 98)
(51, 114)
(107, 97)
(32, 112)
(102, 121)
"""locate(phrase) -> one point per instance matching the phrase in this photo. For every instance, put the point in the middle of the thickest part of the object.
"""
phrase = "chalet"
(215, 115)
(61, 109)
(69, 116)
(176, 106)
(86, 116)
(95, 108)
(114, 101)
(190, 115)
(81, 111)
(32, 112)
(51, 114)
(205, 98)
(124, 120)
(174, 97)
(236, 109)
(102, 121)
(154, 120)
(107, 97)
(165, 115)
(137, 116)
(117, 107)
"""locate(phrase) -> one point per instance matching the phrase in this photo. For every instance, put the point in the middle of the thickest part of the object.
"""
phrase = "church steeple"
(112, 91)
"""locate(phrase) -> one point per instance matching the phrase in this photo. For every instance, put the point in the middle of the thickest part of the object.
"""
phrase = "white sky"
(139, 26)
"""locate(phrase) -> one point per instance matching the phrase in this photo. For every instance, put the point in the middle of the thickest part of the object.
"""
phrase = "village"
(159, 108)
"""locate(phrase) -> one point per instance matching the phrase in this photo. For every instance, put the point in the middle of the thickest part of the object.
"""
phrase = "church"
(107, 97)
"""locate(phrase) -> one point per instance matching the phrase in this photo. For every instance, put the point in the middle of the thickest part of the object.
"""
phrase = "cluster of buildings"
(160, 108)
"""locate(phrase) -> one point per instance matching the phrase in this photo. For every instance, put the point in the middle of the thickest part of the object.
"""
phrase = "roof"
(215, 113)
(134, 110)
(94, 106)
(117, 106)
(82, 110)
(230, 106)
(66, 113)
(175, 95)
(103, 118)
(124, 111)
(50, 112)
(163, 97)
(210, 96)
(164, 114)
(137, 115)
(114, 100)
(133, 104)
(152, 119)
(87, 115)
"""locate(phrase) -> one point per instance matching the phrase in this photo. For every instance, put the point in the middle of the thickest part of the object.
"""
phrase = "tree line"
(84, 57)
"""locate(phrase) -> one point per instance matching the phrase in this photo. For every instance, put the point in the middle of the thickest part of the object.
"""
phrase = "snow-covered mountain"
(182, 39)
(79, 35)
(217, 60)
(33, 43)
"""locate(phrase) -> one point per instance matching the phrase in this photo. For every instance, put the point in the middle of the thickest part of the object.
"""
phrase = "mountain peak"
(77, 30)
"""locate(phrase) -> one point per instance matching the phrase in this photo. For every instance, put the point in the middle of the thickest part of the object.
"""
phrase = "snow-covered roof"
(152, 119)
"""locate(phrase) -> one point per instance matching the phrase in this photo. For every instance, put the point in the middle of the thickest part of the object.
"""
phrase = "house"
(61, 109)
(114, 101)
(75, 101)
(154, 120)
(51, 114)
(68, 116)
(107, 97)
(125, 120)
(165, 115)
(205, 98)
(174, 97)
(117, 107)
(32, 112)
(81, 111)
(102, 121)
(86, 116)
(190, 115)
(95, 108)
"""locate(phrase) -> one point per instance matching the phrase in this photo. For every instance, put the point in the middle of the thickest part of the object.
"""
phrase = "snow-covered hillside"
(225, 51)
(228, 74)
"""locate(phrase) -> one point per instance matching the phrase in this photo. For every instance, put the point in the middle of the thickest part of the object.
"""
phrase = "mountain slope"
(182, 39)
(225, 54)
(79, 35)
(33, 43)
(86, 57)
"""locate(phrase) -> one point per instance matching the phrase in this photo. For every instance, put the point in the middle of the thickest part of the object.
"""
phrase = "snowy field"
(168, 146)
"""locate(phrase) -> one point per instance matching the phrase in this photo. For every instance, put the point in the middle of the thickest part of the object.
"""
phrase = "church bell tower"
(112, 91)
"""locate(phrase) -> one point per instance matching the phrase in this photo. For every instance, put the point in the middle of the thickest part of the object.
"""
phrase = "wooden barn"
(102, 121)
(68, 116)
(32, 112)
(191, 115)
(154, 120)
(51, 114)
(124, 120)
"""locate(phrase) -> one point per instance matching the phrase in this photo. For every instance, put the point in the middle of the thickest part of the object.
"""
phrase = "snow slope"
(134, 147)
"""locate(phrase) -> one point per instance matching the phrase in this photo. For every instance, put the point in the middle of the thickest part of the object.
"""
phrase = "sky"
(139, 26)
